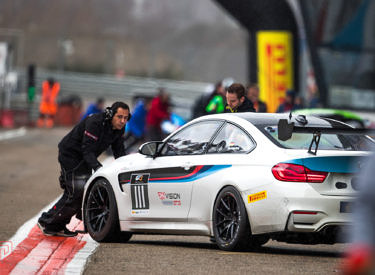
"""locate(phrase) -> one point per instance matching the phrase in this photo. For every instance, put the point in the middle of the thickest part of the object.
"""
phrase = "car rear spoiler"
(286, 129)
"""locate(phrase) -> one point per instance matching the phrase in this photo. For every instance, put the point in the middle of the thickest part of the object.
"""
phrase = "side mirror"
(150, 149)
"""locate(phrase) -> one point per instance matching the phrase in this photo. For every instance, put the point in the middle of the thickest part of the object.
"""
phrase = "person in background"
(216, 102)
(237, 102)
(136, 128)
(199, 108)
(313, 97)
(48, 105)
(360, 254)
(94, 108)
(298, 103)
(253, 95)
(78, 156)
(158, 112)
(288, 104)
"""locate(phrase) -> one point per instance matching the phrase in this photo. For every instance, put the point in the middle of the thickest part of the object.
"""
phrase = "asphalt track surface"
(28, 183)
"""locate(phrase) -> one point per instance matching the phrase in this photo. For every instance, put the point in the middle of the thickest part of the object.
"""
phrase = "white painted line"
(78, 263)
(13, 133)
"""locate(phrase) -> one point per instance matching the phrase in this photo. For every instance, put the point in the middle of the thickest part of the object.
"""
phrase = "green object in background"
(326, 112)
(31, 93)
(345, 116)
(216, 104)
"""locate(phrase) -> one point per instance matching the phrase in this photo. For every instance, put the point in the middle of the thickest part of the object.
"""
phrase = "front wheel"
(101, 217)
(230, 222)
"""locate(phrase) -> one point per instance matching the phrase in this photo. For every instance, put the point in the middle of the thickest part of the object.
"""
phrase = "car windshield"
(327, 141)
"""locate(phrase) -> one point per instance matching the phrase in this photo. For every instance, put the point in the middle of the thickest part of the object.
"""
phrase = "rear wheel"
(101, 216)
(230, 222)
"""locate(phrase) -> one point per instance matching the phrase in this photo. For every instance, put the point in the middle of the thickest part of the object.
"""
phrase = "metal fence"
(88, 87)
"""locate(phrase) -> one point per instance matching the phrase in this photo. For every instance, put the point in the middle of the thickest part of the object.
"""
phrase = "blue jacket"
(136, 125)
(92, 109)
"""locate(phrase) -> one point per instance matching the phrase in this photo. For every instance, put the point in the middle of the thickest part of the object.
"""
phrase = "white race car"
(240, 179)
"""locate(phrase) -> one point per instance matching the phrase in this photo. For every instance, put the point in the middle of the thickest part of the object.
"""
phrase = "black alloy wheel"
(230, 222)
(101, 217)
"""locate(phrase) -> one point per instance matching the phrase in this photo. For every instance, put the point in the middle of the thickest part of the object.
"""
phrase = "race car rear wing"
(286, 129)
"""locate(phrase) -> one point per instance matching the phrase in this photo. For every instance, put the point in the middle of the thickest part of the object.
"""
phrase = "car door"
(163, 190)
(228, 160)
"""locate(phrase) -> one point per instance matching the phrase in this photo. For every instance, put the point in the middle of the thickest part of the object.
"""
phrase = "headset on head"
(109, 113)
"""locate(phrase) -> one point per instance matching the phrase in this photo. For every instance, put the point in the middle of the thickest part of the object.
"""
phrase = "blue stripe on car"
(337, 164)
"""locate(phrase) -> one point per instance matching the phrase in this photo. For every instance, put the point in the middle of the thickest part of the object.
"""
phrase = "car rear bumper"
(296, 207)
(313, 214)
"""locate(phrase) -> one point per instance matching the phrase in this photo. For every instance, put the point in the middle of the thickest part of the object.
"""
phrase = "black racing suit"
(78, 152)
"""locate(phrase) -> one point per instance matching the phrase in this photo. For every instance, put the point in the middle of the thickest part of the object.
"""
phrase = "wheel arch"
(214, 201)
(85, 196)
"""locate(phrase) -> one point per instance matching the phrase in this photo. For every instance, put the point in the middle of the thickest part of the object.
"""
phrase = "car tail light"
(297, 173)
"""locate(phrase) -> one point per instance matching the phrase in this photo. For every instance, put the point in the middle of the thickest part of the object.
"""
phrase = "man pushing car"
(78, 153)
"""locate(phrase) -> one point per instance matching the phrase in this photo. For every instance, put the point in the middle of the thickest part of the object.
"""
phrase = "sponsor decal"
(275, 62)
(139, 191)
(91, 135)
(5, 249)
(257, 197)
(140, 212)
(161, 195)
(170, 198)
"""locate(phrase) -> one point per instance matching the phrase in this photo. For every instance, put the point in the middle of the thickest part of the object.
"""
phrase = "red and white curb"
(31, 252)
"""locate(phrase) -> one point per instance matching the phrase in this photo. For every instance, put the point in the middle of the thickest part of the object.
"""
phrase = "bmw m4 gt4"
(240, 179)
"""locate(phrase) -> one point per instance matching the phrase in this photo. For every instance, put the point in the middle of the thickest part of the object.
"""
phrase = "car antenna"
(290, 115)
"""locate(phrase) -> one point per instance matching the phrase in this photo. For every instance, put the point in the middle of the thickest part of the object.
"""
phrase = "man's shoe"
(41, 225)
(62, 233)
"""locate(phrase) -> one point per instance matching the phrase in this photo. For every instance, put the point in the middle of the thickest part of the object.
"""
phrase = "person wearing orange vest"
(48, 105)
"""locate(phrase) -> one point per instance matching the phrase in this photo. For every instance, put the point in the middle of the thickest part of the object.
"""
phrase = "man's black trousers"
(72, 180)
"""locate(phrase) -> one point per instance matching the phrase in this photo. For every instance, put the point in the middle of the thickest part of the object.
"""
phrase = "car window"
(327, 141)
(192, 140)
(231, 139)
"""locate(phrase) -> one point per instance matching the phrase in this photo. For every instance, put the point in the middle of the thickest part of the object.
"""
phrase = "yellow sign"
(275, 66)
(257, 197)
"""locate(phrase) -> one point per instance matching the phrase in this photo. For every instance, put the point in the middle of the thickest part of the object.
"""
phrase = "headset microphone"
(108, 113)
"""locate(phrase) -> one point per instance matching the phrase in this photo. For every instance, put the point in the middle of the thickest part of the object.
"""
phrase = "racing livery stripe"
(174, 174)
(196, 170)
(337, 164)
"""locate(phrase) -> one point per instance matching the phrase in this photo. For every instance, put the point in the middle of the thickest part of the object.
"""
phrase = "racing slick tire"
(101, 216)
(230, 222)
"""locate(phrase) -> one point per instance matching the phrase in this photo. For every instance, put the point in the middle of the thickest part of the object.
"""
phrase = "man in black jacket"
(78, 152)
(237, 102)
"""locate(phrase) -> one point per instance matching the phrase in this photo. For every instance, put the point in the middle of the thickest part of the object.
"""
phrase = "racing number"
(139, 191)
